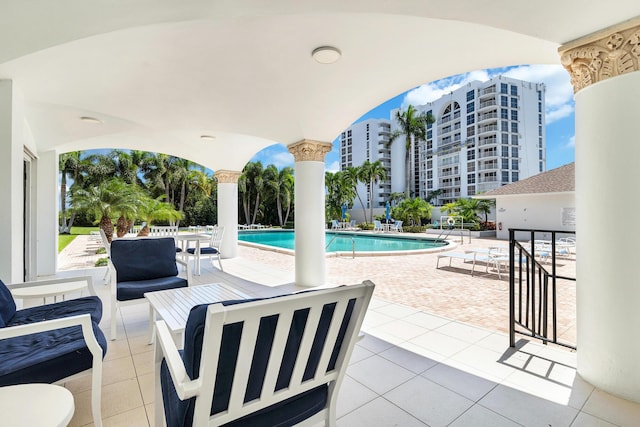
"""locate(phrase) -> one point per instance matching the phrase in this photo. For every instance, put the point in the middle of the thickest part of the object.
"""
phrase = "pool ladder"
(353, 246)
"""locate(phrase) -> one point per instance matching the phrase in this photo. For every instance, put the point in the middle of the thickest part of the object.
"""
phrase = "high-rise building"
(368, 140)
(485, 135)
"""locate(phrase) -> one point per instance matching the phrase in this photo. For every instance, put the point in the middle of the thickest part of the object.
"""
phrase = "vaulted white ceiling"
(161, 73)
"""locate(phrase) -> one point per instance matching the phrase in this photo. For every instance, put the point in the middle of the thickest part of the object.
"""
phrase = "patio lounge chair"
(266, 362)
(335, 225)
(53, 342)
(397, 226)
(377, 225)
(139, 266)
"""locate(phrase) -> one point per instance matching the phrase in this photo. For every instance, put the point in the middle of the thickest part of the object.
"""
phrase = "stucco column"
(309, 216)
(46, 212)
(228, 210)
(604, 72)
(11, 183)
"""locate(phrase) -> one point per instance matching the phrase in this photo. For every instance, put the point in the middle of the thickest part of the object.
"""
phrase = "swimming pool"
(344, 242)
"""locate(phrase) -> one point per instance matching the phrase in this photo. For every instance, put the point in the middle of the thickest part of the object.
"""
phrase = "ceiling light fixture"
(207, 137)
(90, 120)
(326, 54)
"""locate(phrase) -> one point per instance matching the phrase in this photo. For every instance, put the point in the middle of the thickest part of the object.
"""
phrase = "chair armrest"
(186, 265)
(52, 287)
(184, 386)
(82, 320)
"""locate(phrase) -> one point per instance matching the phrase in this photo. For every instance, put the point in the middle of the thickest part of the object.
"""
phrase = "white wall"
(532, 211)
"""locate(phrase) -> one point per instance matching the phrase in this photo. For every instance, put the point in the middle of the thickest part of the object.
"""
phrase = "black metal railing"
(534, 282)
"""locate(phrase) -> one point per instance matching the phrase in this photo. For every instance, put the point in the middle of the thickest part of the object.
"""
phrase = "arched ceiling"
(159, 74)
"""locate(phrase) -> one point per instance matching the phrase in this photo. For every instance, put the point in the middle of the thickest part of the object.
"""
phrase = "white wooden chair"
(212, 250)
(280, 360)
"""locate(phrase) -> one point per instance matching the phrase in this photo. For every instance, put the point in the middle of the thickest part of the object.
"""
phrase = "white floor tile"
(485, 361)
(397, 311)
(379, 374)
(352, 395)
(468, 385)
(373, 344)
(586, 420)
(463, 332)
(479, 416)
(401, 329)
(379, 413)
(526, 409)
(440, 343)
(429, 402)
(416, 363)
(613, 409)
(426, 320)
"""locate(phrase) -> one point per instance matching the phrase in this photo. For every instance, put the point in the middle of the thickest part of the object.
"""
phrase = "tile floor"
(412, 368)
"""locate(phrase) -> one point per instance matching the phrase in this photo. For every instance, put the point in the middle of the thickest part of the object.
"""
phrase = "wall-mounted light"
(89, 119)
(207, 137)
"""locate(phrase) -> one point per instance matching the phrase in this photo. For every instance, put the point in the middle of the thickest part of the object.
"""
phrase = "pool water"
(343, 242)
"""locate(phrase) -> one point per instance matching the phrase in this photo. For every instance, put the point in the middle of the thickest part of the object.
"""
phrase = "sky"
(559, 112)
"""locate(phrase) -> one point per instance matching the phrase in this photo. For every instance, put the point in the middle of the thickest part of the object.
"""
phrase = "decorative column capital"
(608, 53)
(227, 177)
(309, 151)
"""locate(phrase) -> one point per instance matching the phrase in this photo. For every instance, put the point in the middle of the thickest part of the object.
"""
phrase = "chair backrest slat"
(294, 339)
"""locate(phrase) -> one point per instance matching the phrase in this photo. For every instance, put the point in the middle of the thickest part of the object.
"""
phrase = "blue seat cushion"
(204, 251)
(46, 357)
(136, 289)
(7, 305)
(181, 413)
(89, 305)
(144, 259)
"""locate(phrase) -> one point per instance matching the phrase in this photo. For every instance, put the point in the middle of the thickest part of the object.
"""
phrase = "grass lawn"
(65, 239)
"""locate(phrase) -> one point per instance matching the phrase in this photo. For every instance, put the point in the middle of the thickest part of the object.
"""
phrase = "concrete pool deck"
(411, 280)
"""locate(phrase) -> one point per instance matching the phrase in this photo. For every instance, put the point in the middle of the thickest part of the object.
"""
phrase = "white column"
(46, 212)
(604, 70)
(309, 216)
(11, 182)
(228, 210)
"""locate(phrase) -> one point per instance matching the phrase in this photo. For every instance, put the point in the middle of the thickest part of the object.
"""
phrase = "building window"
(539, 130)
(471, 178)
(430, 174)
(540, 155)
(471, 119)
(429, 184)
(471, 107)
(514, 102)
(539, 107)
(539, 119)
(429, 134)
(505, 163)
(514, 164)
(514, 114)
(540, 166)
(505, 126)
(471, 154)
(539, 95)
(504, 101)
(505, 151)
(505, 138)
(471, 131)
(470, 95)
(514, 127)
(514, 151)
(539, 142)
(505, 176)
(503, 88)
(504, 113)
(429, 113)
(514, 139)
(349, 133)
(514, 90)
(471, 190)
(429, 164)
(515, 176)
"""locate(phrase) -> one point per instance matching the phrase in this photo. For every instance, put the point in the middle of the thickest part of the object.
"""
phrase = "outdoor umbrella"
(388, 211)
(344, 211)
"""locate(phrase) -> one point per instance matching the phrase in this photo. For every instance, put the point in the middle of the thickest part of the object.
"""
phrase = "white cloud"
(333, 167)
(558, 95)
(282, 159)
(572, 142)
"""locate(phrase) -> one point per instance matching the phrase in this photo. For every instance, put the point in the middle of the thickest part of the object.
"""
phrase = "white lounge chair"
(377, 225)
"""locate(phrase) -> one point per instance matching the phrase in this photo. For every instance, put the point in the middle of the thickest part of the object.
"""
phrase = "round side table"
(36, 405)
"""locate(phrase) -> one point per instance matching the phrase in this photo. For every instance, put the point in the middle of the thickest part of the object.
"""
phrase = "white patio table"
(42, 405)
(184, 241)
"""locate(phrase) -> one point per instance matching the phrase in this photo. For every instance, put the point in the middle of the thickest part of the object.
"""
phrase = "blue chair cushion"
(89, 305)
(136, 289)
(204, 251)
(144, 259)
(46, 357)
(7, 305)
(180, 413)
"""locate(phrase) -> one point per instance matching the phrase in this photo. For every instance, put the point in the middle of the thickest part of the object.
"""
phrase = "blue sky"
(559, 112)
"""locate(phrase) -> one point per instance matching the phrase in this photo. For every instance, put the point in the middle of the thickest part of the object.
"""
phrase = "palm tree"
(251, 184)
(354, 177)
(281, 184)
(156, 210)
(71, 165)
(102, 201)
(433, 195)
(339, 191)
(396, 198)
(485, 206)
(413, 210)
(413, 126)
(371, 173)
